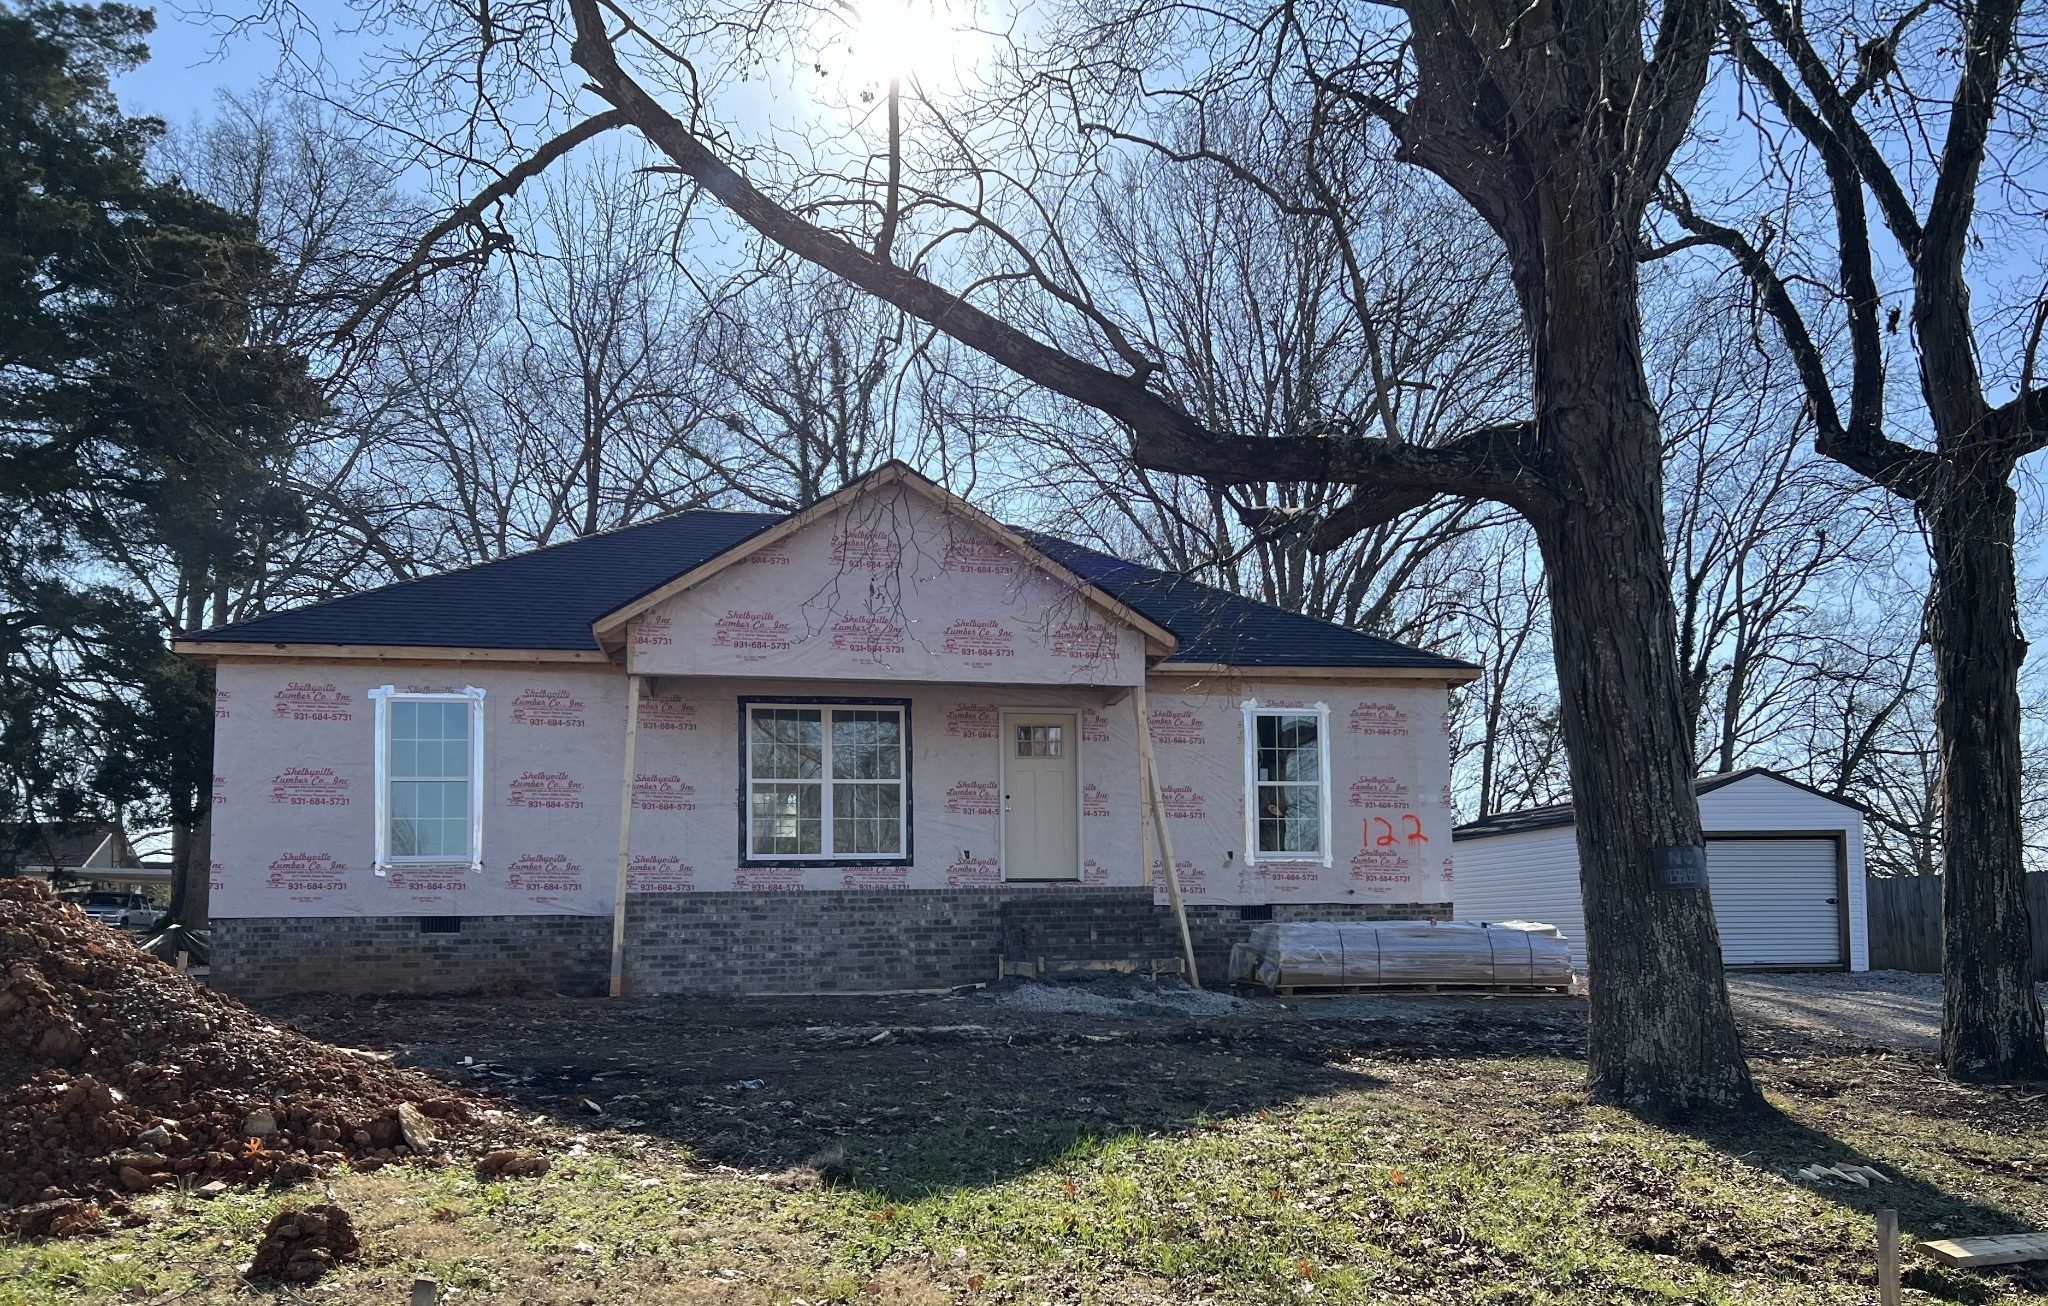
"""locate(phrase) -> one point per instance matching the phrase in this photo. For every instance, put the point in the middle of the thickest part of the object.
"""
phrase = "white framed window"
(825, 781)
(430, 772)
(1287, 782)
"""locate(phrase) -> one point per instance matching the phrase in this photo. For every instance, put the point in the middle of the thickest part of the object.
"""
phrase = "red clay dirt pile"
(119, 1075)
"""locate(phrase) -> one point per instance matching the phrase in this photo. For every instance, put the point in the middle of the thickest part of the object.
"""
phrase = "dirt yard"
(1108, 1143)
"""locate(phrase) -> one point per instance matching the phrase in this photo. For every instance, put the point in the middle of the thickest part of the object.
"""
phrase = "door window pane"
(1039, 741)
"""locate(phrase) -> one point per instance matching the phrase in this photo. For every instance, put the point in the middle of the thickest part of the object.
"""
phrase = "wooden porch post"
(618, 984)
(1157, 803)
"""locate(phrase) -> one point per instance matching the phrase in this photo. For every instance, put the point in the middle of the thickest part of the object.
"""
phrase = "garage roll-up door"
(1777, 901)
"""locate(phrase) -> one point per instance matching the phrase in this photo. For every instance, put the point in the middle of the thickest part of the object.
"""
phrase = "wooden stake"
(1145, 806)
(1157, 802)
(618, 984)
(1888, 1258)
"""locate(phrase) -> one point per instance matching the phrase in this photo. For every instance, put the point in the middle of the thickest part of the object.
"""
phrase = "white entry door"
(1777, 902)
(1041, 816)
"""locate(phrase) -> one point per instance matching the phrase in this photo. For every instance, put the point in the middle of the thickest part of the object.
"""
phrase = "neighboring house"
(879, 744)
(1784, 868)
(96, 853)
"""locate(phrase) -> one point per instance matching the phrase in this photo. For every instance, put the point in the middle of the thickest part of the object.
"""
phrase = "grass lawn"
(1403, 1177)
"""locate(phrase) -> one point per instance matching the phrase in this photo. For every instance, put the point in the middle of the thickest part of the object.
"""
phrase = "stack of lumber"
(1403, 954)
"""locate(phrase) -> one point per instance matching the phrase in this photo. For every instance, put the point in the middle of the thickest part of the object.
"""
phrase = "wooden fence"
(1905, 922)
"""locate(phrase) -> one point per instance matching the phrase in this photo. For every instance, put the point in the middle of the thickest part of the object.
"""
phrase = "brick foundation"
(263, 957)
(871, 941)
(734, 943)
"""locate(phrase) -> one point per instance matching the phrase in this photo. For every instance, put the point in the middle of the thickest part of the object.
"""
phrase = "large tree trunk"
(181, 875)
(1662, 1036)
(1991, 1027)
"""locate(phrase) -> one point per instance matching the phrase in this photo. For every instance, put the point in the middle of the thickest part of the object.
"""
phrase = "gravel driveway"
(1889, 1008)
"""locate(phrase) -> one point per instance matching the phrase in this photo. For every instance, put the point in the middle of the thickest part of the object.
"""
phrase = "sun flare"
(925, 42)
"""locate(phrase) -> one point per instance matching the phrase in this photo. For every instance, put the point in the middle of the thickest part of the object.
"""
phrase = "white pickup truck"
(123, 911)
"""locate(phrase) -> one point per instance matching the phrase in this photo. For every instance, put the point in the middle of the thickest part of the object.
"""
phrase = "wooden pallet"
(1040, 967)
(2004, 1249)
(1376, 990)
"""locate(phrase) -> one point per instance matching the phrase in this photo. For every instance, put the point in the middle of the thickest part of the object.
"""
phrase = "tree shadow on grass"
(930, 1113)
(900, 1099)
(1768, 1137)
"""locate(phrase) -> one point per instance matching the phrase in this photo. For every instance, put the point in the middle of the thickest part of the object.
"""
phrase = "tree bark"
(1991, 1026)
(181, 875)
(1662, 1037)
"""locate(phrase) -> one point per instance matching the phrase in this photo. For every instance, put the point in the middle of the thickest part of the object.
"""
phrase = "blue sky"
(189, 64)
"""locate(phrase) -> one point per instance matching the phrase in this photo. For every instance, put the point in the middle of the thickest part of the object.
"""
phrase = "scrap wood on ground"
(118, 1075)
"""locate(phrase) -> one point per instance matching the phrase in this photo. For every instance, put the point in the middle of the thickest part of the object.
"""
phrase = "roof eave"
(208, 652)
(1451, 675)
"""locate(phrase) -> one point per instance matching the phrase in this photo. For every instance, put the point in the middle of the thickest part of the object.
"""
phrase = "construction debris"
(300, 1246)
(1860, 1175)
(1999, 1249)
(127, 1077)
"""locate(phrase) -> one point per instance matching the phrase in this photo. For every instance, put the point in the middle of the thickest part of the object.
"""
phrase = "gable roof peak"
(610, 629)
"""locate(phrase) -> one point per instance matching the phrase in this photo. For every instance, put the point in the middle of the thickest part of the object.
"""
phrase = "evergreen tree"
(143, 436)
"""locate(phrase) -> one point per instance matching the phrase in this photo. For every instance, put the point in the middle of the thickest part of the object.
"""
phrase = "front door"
(1041, 825)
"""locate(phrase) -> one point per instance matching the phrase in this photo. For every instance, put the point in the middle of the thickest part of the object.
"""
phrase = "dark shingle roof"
(1560, 814)
(52, 843)
(547, 599)
(1215, 626)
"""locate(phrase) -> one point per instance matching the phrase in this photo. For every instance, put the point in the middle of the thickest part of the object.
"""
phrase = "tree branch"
(1832, 113)
(1860, 443)
(1490, 463)
(412, 270)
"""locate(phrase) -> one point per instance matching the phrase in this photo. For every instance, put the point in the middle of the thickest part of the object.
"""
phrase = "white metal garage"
(1784, 867)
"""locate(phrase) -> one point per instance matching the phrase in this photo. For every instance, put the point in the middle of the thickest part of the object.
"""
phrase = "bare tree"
(814, 376)
(1413, 321)
(1759, 525)
(1855, 90)
(564, 395)
(1507, 741)
(336, 218)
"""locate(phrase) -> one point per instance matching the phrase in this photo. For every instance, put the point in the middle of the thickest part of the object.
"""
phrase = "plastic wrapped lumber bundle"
(1390, 954)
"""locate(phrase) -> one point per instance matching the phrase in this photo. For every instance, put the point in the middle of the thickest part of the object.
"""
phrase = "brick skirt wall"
(263, 957)
(873, 941)
(733, 943)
